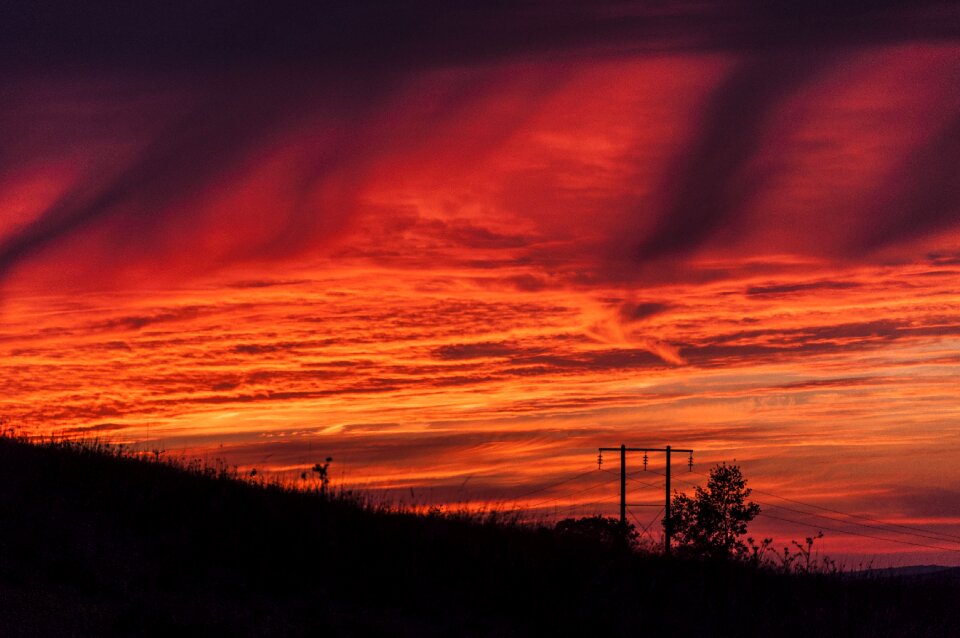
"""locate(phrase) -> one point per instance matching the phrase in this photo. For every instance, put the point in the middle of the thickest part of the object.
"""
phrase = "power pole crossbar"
(623, 449)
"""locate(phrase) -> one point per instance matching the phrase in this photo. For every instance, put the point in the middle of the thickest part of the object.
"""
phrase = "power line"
(668, 451)
(873, 536)
(840, 520)
(883, 527)
(879, 525)
(650, 485)
(547, 487)
(652, 521)
(629, 474)
(860, 516)
(557, 498)
(640, 526)
(645, 528)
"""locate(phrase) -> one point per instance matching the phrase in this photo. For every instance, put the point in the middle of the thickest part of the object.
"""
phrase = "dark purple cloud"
(923, 192)
(713, 181)
(789, 289)
(250, 72)
(631, 312)
(460, 351)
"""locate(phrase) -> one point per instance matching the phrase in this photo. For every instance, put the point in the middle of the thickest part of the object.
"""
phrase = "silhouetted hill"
(927, 573)
(97, 544)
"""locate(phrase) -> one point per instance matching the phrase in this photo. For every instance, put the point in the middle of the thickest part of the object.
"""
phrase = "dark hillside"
(93, 543)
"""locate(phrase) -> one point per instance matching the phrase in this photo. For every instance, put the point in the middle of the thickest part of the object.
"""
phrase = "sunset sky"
(460, 247)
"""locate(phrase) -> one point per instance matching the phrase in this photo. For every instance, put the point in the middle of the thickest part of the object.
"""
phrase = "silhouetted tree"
(607, 531)
(710, 524)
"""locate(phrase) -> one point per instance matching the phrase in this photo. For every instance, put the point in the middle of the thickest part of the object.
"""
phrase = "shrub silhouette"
(711, 523)
(607, 531)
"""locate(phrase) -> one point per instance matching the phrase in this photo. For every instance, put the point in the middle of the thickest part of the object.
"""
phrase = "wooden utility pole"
(667, 525)
(623, 449)
(623, 484)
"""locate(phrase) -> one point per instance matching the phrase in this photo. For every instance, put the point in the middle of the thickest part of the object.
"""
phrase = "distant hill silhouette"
(93, 543)
(916, 572)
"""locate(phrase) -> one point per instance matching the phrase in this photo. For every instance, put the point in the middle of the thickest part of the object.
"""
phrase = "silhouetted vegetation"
(609, 532)
(711, 524)
(322, 471)
(97, 542)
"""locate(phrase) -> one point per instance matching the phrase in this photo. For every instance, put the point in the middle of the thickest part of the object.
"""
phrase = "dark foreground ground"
(92, 544)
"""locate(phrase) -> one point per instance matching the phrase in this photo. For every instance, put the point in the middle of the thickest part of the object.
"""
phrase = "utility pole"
(667, 526)
(623, 484)
(623, 449)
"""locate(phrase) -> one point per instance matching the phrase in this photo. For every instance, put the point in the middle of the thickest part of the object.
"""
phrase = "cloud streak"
(713, 180)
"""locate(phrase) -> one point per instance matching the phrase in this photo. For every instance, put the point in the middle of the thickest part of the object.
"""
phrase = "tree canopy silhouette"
(711, 523)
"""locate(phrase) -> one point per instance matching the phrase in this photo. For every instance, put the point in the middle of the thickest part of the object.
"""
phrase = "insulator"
(690, 463)
(644, 460)
(599, 459)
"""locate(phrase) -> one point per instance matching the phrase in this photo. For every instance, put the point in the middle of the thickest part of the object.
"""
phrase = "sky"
(459, 248)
